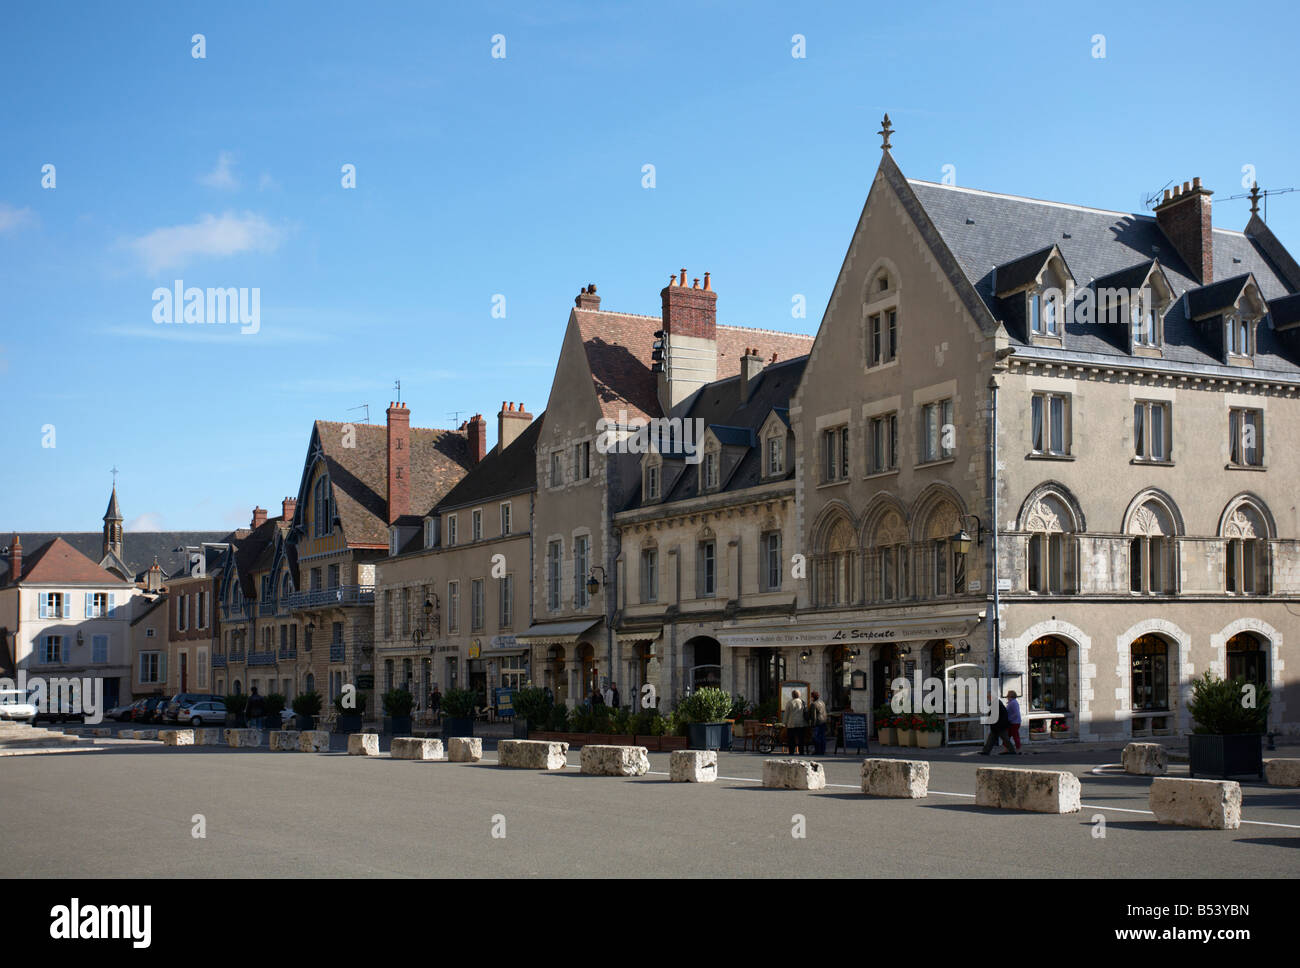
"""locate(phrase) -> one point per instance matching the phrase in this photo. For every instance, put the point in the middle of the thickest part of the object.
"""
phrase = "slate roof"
(1285, 310)
(249, 550)
(983, 229)
(138, 547)
(501, 473)
(1022, 271)
(359, 475)
(57, 561)
(736, 425)
(618, 347)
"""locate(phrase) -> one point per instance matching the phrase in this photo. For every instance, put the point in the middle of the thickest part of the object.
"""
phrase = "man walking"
(819, 724)
(1013, 717)
(999, 732)
(256, 709)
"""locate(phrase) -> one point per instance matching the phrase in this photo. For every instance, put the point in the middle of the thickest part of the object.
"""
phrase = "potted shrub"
(903, 728)
(306, 708)
(458, 712)
(275, 704)
(349, 718)
(398, 704)
(705, 711)
(532, 705)
(928, 730)
(1228, 736)
(885, 732)
(1060, 729)
(236, 703)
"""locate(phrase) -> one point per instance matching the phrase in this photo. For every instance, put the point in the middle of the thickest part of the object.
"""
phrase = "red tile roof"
(59, 562)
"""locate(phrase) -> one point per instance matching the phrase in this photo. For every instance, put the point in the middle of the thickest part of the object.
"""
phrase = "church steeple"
(113, 527)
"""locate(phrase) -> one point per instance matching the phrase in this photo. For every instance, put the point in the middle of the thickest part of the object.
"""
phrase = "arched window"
(309, 683)
(1049, 675)
(1245, 564)
(835, 571)
(1247, 659)
(890, 549)
(942, 655)
(946, 571)
(1150, 671)
(1052, 549)
(1152, 562)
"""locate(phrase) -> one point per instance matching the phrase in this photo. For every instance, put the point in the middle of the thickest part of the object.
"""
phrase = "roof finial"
(1254, 198)
(114, 472)
(886, 130)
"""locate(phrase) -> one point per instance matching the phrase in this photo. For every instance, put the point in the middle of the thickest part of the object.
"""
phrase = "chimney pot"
(259, 517)
(683, 282)
(1196, 182)
(706, 280)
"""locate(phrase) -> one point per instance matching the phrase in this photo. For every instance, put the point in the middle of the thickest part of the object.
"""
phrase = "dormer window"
(430, 533)
(652, 482)
(709, 470)
(775, 457)
(1240, 335)
(1145, 317)
(1044, 313)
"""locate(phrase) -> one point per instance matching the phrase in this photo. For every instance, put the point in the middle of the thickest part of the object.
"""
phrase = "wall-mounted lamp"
(805, 655)
(595, 584)
(961, 540)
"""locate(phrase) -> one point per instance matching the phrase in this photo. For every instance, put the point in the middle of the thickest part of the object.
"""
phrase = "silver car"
(201, 713)
(14, 707)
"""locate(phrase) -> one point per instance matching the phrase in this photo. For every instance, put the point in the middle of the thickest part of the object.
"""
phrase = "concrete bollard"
(789, 774)
(126, 734)
(904, 779)
(243, 737)
(363, 744)
(314, 741)
(207, 736)
(176, 737)
(145, 734)
(1037, 791)
(284, 740)
(600, 760)
(1282, 772)
(532, 754)
(465, 749)
(1145, 759)
(416, 748)
(1209, 804)
(693, 766)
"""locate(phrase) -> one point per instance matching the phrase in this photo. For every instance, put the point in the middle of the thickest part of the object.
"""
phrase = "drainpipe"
(999, 356)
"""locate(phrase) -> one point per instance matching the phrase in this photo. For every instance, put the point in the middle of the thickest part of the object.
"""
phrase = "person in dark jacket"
(256, 709)
(615, 700)
(1000, 731)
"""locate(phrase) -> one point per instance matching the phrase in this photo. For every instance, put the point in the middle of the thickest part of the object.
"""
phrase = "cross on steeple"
(115, 477)
(885, 131)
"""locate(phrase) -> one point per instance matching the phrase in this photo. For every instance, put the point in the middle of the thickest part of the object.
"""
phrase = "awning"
(629, 636)
(557, 633)
(950, 625)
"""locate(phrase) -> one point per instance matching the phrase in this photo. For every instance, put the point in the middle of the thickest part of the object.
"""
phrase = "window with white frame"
(707, 569)
(453, 606)
(835, 454)
(507, 611)
(1044, 313)
(99, 604)
(553, 552)
(649, 575)
(52, 649)
(505, 517)
(882, 337)
(151, 667)
(430, 533)
(1145, 317)
(709, 470)
(55, 605)
(936, 419)
(882, 435)
(1246, 437)
(1240, 335)
(775, 456)
(1152, 430)
(770, 565)
(476, 525)
(451, 530)
(652, 482)
(476, 605)
(1049, 418)
(581, 568)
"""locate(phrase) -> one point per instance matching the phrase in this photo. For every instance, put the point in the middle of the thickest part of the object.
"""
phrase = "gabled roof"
(359, 474)
(249, 550)
(57, 562)
(1217, 297)
(139, 548)
(1023, 271)
(1285, 311)
(1129, 278)
(734, 436)
(501, 473)
(980, 230)
(618, 348)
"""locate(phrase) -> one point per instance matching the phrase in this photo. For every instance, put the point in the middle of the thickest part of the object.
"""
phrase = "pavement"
(132, 809)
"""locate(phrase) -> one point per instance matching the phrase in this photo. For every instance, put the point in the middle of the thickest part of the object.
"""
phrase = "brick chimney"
(512, 421)
(690, 339)
(751, 366)
(587, 298)
(399, 460)
(1184, 217)
(153, 578)
(476, 430)
(16, 561)
(259, 517)
(288, 507)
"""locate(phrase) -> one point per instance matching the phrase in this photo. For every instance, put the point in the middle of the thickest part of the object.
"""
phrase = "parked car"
(203, 712)
(146, 712)
(14, 707)
(119, 713)
(133, 711)
(172, 712)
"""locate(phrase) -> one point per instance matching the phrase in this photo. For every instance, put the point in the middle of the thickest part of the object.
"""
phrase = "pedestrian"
(1013, 717)
(596, 699)
(615, 700)
(256, 709)
(999, 733)
(818, 724)
(435, 701)
(794, 725)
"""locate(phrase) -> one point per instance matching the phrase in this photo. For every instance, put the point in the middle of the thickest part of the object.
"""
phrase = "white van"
(15, 708)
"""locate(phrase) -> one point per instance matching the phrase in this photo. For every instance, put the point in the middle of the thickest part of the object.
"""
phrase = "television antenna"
(1149, 201)
(1255, 195)
(365, 407)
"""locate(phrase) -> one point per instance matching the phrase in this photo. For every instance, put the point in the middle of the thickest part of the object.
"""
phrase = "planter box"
(304, 723)
(519, 728)
(905, 737)
(1225, 756)
(347, 724)
(929, 739)
(710, 736)
(887, 736)
(673, 743)
(397, 725)
(457, 727)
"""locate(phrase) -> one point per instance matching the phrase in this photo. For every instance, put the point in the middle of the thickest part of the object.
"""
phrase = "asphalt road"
(127, 811)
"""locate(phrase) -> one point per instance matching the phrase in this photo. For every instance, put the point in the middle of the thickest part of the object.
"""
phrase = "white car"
(15, 708)
(200, 713)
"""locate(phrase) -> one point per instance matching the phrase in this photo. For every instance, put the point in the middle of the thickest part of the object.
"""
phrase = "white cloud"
(14, 218)
(266, 182)
(149, 521)
(223, 175)
(219, 236)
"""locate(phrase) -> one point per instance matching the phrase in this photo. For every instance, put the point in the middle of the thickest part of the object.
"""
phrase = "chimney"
(288, 507)
(751, 366)
(690, 339)
(587, 298)
(512, 421)
(259, 517)
(153, 578)
(16, 561)
(399, 460)
(1184, 217)
(476, 428)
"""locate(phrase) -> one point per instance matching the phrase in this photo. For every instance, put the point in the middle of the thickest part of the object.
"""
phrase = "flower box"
(929, 738)
(905, 737)
(887, 736)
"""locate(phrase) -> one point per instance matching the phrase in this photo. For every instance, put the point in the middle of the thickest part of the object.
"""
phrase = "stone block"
(176, 737)
(614, 760)
(207, 736)
(1145, 759)
(1038, 791)
(363, 744)
(1282, 772)
(693, 766)
(905, 779)
(314, 741)
(284, 740)
(126, 734)
(416, 748)
(243, 737)
(465, 749)
(532, 754)
(792, 774)
(1211, 804)
(145, 734)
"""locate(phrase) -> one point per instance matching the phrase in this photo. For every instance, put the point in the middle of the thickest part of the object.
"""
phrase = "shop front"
(567, 656)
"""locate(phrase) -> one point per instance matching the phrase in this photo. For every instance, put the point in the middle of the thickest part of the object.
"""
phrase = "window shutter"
(44, 605)
(90, 605)
(67, 606)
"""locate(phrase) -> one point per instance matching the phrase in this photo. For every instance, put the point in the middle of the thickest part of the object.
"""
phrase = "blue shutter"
(112, 604)
(90, 604)
(44, 604)
(67, 606)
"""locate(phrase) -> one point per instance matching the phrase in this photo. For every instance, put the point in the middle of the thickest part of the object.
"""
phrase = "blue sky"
(522, 177)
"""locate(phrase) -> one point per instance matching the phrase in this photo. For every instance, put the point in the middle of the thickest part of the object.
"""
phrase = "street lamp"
(594, 584)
